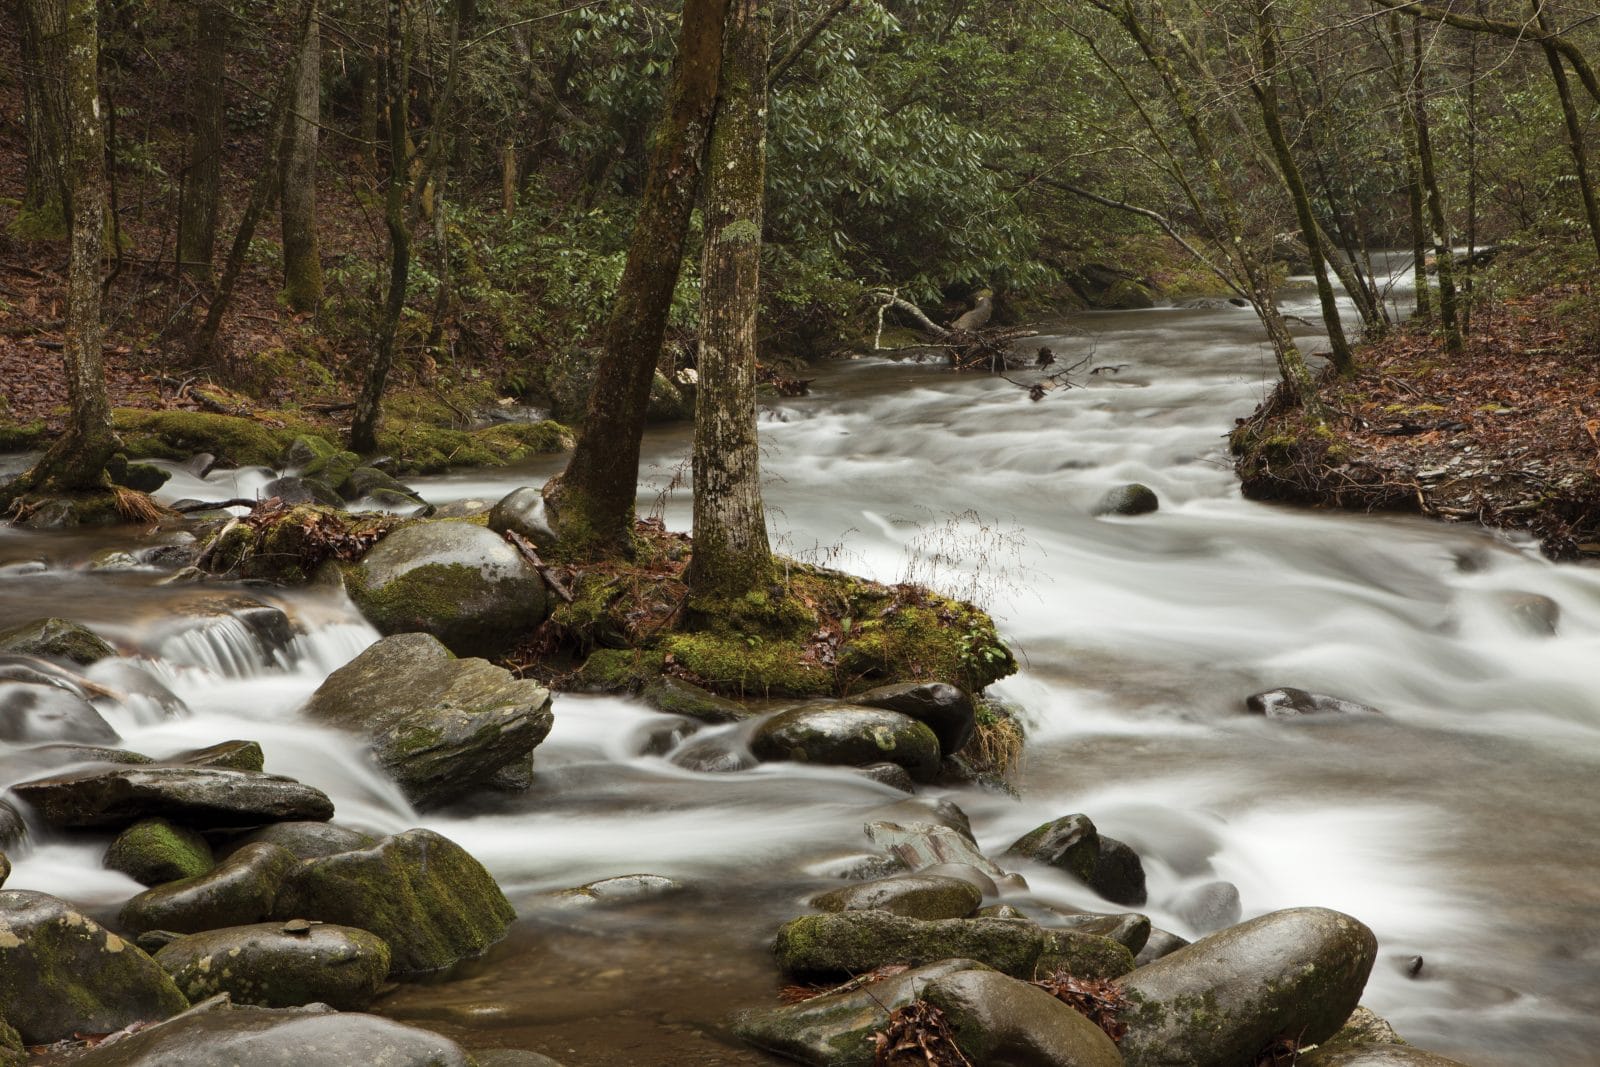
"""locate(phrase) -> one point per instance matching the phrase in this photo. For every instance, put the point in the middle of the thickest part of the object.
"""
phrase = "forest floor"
(1506, 433)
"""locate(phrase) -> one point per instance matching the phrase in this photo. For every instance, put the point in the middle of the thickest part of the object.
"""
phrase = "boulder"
(522, 511)
(674, 696)
(848, 736)
(1209, 907)
(920, 845)
(44, 712)
(238, 891)
(56, 639)
(1364, 1027)
(1104, 864)
(462, 583)
(280, 965)
(1221, 1000)
(216, 1033)
(853, 942)
(304, 451)
(154, 851)
(13, 829)
(1131, 930)
(836, 1030)
(916, 896)
(1160, 943)
(1532, 613)
(1084, 955)
(422, 893)
(292, 489)
(307, 840)
(1291, 703)
(332, 468)
(233, 755)
(62, 973)
(440, 726)
(193, 796)
(944, 709)
(1373, 1056)
(999, 1020)
(1130, 499)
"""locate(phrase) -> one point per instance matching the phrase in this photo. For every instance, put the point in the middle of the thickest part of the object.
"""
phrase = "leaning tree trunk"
(302, 259)
(1575, 138)
(202, 178)
(592, 500)
(732, 556)
(369, 405)
(43, 37)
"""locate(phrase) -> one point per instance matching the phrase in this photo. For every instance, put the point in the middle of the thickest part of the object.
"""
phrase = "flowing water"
(1460, 825)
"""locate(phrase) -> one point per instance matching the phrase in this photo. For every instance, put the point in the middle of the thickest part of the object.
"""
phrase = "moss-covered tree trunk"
(207, 118)
(1574, 123)
(42, 39)
(1443, 251)
(731, 553)
(297, 182)
(1266, 91)
(369, 405)
(1416, 198)
(591, 502)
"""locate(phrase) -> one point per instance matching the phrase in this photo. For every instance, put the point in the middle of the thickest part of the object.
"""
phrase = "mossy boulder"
(33, 712)
(177, 435)
(916, 896)
(238, 891)
(231, 755)
(836, 1030)
(143, 477)
(62, 973)
(441, 726)
(60, 639)
(997, 1019)
(1084, 955)
(1104, 864)
(292, 489)
(280, 965)
(674, 696)
(331, 469)
(218, 1032)
(421, 893)
(1131, 930)
(370, 483)
(1130, 499)
(457, 581)
(154, 851)
(193, 796)
(306, 450)
(1219, 1001)
(848, 736)
(943, 708)
(846, 943)
(307, 840)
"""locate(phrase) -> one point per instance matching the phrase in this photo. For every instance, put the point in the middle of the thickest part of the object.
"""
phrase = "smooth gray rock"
(916, 896)
(1130, 499)
(1533, 613)
(1130, 930)
(1104, 864)
(238, 891)
(219, 1034)
(1000, 1020)
(623, 889)
(848, 736)
(422, 893)
(836, 1030)
(854, 942)
(441, 726)
(1210, 907)
(460, 582)
(890, 774)
(522, 511)
(43, 712)
(945, 709)
(1291, 703)
(1219, 1001)
(307, 840)
(1161, 943)
(63, 973)
(277, 965)
(193, 796)
(60, 639)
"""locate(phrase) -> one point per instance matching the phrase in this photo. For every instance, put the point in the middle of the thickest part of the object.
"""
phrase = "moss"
(22, 436)
(421, 444)
(431, 597)
(60, 638)
(290, 544)
(617, 670)
(42, 222)
(1085, 956)
(177, 435)
(155, 851)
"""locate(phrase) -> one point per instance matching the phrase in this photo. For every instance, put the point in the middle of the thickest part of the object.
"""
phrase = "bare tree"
(297, 181)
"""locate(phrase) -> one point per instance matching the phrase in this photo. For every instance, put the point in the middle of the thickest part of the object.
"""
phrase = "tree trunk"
(1266, 91)
(1575, 142)
(369, 406)
(297, 183)
(43, 37)
(592, 501)
(1416, 198)
(202, 178)
(1443, 252)
(732, 556)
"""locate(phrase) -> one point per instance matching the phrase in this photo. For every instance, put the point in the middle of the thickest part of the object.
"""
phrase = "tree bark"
(297, 182)
(1443, 252)
(202, 178)
(732, 555)
(43, 41)
(1405, 82)
(592, 500)
(369, 405)
(1575, 140)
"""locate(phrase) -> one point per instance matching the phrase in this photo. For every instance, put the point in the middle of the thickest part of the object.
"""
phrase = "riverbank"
(1505, 433)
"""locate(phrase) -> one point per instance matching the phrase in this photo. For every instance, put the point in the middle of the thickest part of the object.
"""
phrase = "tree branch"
(812, 32)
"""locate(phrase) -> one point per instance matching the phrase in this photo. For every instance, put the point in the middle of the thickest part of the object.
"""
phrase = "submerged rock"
(193, 796)
(1291, 703)
(421, 893)
(238, 891)
(154, 851)
(45, 712)
(279, 965)
(622, 889)
(217, 1032)
(440, 726)
(944, 709)
(854, 942)
(459, 582)
(60, 639)
(849, 736)
(1104, 864)
(1000, 1020)
(62, 973)
(1130, 499)
(916, 896)
(1219, 1001)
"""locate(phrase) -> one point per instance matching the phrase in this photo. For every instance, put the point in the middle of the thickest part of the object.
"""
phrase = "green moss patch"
(177, 435)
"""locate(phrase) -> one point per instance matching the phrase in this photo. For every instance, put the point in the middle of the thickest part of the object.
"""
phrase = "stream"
(1460, 825)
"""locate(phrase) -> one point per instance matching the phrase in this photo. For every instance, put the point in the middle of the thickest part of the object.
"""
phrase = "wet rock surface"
(1104, 864)
(849, 736)
(1290, 703)
(190, 796)
(946, 710)
(915, 896)
(999, 1020)
(44, 712)
(154, 851)
(279, 965)
(1130, 499)
(60, 639)
(239, 890)
(854, 942)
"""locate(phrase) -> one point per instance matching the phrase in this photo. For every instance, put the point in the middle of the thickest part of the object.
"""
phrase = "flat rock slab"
(46, 712)
(280, 965)
(192, 796)
(916, 896)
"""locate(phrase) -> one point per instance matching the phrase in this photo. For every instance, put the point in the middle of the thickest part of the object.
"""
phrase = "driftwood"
(969, 342)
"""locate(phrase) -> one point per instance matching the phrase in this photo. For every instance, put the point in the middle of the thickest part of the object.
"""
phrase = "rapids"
(1460, 825)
